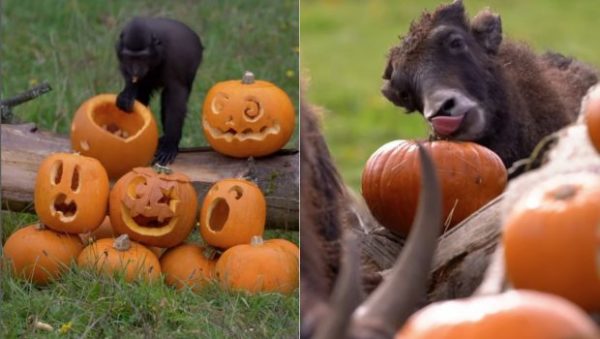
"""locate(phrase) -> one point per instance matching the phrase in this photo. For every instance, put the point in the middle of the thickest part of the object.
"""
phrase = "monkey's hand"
(166, 152)
(125, 102)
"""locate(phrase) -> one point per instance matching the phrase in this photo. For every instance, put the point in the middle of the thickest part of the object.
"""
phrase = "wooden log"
(24, 147)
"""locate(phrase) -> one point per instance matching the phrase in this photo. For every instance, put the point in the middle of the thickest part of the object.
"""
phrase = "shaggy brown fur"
(523, 96)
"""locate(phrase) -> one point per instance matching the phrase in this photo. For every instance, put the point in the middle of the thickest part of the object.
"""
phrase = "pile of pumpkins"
(551, 239)
(151, 209)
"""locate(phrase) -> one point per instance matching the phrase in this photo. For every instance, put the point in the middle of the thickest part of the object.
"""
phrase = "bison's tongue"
(446, 125)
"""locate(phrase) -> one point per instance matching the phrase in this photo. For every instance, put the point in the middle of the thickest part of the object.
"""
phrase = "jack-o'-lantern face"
(233, 211)
(71, 193)
(247, 118)
(154, 209)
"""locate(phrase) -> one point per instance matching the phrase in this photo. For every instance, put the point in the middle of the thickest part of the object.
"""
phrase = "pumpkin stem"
(122, 243)
(248, 78)
(256, 240)
(160, 169)
(565, 192)
(40, 226)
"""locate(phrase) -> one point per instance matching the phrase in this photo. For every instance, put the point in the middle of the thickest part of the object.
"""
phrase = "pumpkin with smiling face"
(247, 118)
(155, 209)
(71, 193)
(119, 140)
(233, 211)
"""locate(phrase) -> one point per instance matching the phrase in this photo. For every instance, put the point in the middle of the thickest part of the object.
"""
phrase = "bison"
(471, 84)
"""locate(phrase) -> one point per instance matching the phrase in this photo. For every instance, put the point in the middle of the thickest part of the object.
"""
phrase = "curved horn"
(388, 307)
(347, 292)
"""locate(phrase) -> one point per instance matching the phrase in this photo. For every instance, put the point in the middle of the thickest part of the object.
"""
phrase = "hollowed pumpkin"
(40, 255)
(121, 255)
(188, 265)
(258, 267)
(470, 176)
(155, 209)
(511, 315)
(233, 211)
(552, 240)
(247, 118)
(119, 140)
(71, 193)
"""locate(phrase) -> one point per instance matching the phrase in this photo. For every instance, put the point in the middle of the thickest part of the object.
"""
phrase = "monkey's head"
(138, 50)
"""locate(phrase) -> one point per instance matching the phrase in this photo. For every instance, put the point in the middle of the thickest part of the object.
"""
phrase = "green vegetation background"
(70, 44)
(344, 48)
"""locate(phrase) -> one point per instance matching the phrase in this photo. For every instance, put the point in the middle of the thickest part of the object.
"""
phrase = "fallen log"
(24, 147)
(464, 253)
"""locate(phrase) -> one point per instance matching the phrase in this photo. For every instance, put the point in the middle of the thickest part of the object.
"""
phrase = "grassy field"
(70, 44)
(344, 47)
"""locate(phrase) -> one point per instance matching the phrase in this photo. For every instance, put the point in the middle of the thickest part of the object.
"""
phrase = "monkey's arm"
(173, 109)
(126, 98)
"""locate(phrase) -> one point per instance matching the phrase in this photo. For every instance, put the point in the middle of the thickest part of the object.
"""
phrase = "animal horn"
(347, 292)
(388, 307)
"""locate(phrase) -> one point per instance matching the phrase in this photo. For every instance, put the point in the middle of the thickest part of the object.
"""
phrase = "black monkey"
(159, 53)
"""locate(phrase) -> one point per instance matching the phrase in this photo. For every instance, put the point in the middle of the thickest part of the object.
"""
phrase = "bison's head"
(445, 68)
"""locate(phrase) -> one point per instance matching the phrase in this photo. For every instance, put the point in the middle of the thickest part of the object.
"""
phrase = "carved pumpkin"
(591, 113)
(123, 256)
(552, 240)
(71, 193)
(258, 267)
(120, 140)
(510, 315)
(188, 265)
(470, 176)
(233, 211)
(155, 209)
(247, 118)
(40, 255)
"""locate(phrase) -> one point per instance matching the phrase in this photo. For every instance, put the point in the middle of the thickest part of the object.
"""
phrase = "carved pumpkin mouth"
(231, 133)
(218, 212)
(144, 221)
(64, 207)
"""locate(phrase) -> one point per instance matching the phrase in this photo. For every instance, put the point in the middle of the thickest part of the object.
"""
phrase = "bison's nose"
(447, 102)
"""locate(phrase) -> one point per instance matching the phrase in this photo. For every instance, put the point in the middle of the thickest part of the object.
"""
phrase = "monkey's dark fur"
(522, 97)
(159, 53)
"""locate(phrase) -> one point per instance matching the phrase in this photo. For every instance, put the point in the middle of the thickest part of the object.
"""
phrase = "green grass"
(70, 44)
(344, 47)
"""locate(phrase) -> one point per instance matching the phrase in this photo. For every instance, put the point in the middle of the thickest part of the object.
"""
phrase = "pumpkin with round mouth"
(233, 211)
(71, 193)
(153, 208)
(121, 255)
(247, 118)
(39, 254)
(119, 140)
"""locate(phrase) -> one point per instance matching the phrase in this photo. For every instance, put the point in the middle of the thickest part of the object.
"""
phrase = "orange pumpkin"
(552, 240)
(71, 193)
(470, 176)
(40, 255)
(121, 255)
(591, 113)
(120, 140)
(247, 118)
(188, 265)
(233, 211)
(285, 245)
(258, 267)
(511, 315)
(156, 209)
